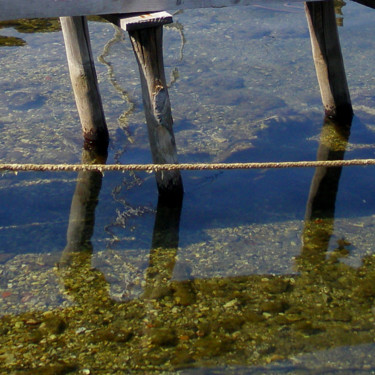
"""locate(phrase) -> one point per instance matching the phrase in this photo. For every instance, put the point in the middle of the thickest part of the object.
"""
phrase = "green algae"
(34, 25)
(281, 316)
(41, 25)
(11, 41)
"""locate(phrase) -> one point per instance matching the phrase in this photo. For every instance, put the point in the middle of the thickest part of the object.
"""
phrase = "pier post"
(328, 58)
(146, 35)
(83, 77)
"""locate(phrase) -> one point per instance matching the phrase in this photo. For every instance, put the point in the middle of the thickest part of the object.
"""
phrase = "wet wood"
(328, 58)
(84, 81)
(147, 44)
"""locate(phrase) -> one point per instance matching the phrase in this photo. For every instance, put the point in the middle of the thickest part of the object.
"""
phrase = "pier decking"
(61, 8)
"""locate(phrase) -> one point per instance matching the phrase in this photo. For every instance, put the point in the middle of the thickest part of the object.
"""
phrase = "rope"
(190, 167)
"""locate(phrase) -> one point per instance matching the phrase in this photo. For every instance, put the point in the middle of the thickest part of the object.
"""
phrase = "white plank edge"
(142, 20)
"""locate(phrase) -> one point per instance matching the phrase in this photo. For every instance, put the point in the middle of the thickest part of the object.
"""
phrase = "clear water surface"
(251, 273)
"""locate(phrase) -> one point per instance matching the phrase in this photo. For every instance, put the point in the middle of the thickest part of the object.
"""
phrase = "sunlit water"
(239, 278)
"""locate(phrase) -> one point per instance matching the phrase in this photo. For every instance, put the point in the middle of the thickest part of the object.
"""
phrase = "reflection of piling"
(328, 59)
(84, 283)
(320, 208)
(146, 35)
(323, 190)
(164, 247)
(160, 285)
(84, 202)
(83, 77)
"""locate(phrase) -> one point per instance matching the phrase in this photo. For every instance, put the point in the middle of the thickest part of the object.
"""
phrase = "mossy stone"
(163, 336)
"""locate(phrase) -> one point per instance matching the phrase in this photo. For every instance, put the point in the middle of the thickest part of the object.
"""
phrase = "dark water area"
(265, 271)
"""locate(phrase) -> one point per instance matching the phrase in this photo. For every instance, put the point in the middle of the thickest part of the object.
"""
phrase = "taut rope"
(184, 166)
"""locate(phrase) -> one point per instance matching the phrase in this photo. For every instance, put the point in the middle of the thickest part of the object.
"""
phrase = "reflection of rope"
(185, 166)
(129, 212)
(123, 119)
(23, 226)
(180, 29)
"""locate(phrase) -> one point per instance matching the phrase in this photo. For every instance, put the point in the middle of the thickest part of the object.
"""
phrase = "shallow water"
(246, 275)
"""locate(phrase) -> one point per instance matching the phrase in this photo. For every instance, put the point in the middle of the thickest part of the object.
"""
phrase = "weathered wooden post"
(328, 59)
(146, 35)
(84, 81)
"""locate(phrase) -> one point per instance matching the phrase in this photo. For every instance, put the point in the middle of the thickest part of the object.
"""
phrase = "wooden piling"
(146, 35)
(84, 81)
(328, 58)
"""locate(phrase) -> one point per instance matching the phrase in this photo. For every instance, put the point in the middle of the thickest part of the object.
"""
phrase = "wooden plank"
(131, 22)
(14, 9)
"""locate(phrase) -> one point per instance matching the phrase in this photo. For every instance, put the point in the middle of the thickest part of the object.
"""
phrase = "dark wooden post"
(328, 59)
(84, 80)
(146, 35)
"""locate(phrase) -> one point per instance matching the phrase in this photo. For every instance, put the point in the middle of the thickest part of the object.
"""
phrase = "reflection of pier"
(145, 31)
(320, 210)
(247, 320)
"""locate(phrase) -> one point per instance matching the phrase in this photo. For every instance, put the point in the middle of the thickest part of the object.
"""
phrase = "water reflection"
(75, 262)
(85, 199)
(164, 247)
(179, 322)
(320, 209)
